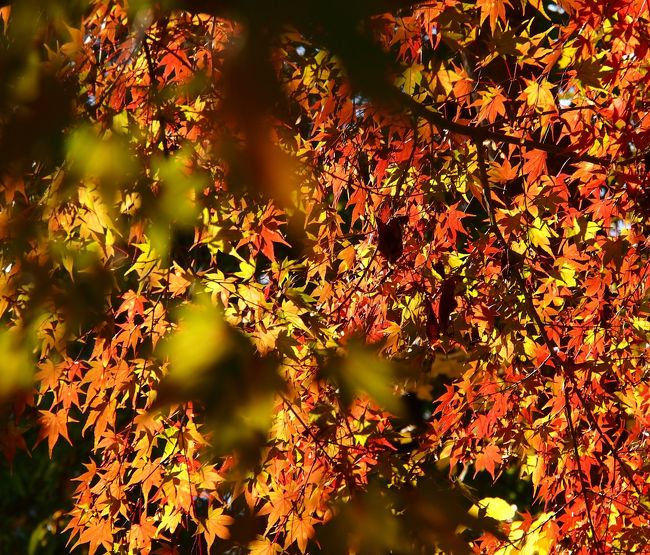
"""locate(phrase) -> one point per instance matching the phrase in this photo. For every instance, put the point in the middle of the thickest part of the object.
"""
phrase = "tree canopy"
(343, 277)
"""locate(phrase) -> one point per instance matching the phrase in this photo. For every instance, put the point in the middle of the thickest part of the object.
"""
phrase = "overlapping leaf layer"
(295, 273)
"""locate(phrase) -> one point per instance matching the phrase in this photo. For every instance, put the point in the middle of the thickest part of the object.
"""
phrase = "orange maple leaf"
(494, 9)
(263, 546)
(54, 425)
(488, 459)
(99, 533)
(215, 525)
(299, 529)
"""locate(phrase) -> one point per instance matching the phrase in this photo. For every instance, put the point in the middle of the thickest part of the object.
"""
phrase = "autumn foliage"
(328, 277)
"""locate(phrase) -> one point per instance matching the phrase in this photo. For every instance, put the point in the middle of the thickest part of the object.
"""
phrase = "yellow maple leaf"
(263, 546)
(539, 234)
(495, 508)
(540, 96)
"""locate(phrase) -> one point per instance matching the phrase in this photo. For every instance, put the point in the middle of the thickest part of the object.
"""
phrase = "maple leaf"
(171, 519)
(495, 10)
(540, 95)
(496, 508)
(49, 374)
(504, 172)
(179, 281)
(71, 48)
(299, 530)
(492, 105)
(215, 525)
(97, 533)
(264, 546)
(534, 165)
(451, 221)
(488, 459)
(53, 425)
(411, 77)
(539, 234)
(269, 236)
(141, 536)
(133, 305)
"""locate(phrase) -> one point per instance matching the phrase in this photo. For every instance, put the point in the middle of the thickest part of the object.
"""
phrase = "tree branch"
(480, 134)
